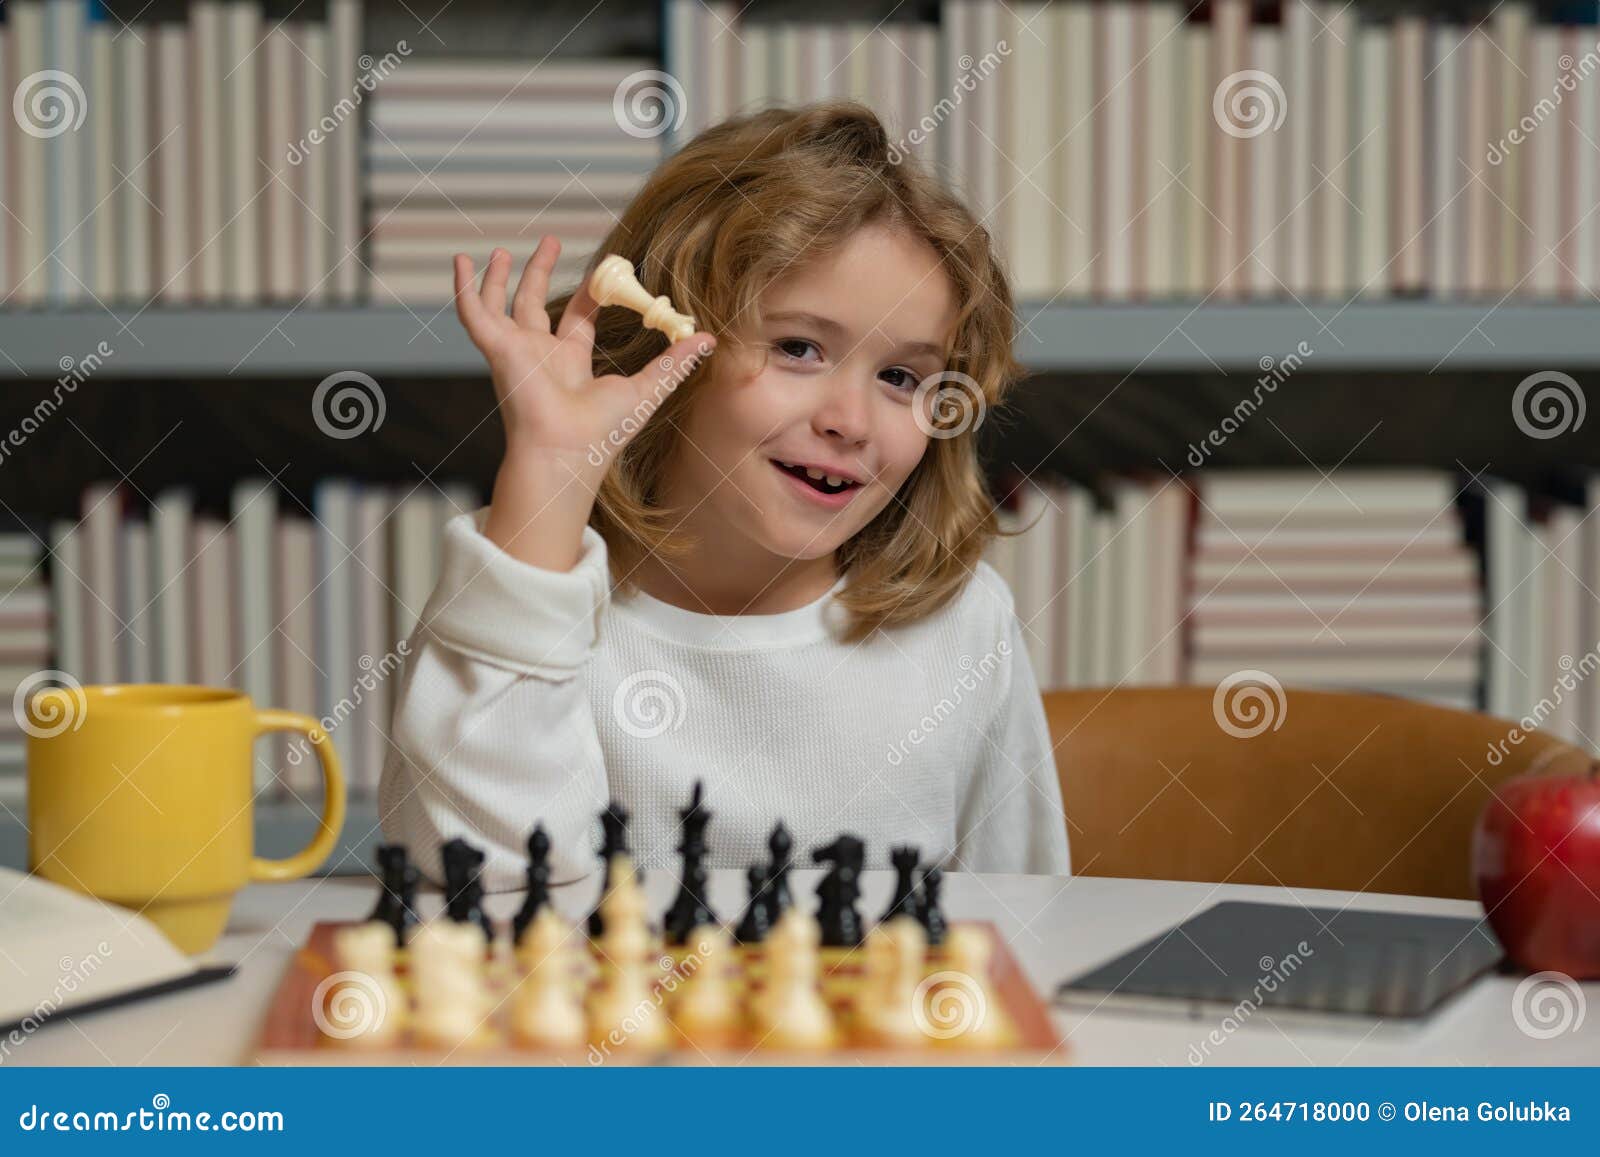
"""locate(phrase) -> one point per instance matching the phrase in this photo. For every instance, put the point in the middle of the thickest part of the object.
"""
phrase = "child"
(659, 592)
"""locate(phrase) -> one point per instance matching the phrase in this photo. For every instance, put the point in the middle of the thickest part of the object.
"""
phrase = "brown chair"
(1366, 793)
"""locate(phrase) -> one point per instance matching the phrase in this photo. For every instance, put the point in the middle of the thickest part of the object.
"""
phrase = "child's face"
(846, 341)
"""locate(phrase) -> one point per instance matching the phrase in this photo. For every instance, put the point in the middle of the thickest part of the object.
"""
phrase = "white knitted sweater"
(532, 695)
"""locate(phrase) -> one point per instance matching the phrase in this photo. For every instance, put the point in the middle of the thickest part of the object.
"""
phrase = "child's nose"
(845, 407)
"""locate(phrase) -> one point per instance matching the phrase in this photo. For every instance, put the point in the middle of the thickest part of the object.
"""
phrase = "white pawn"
(706, 1011)
(447, 977)
(614, 283)
(877, 972)
(969, 1005)
(546, 1011)
(791, 1012)
(894, 1019)
(366, 1009)
(623, 1014)
(626, 937)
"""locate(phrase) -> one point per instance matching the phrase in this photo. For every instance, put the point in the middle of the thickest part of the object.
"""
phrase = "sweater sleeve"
(1012, 819)
(492, 731)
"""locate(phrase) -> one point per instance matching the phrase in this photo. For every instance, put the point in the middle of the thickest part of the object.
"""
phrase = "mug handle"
(333, 797)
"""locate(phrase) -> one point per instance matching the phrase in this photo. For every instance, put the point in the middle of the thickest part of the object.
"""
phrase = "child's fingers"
(469, 306)
(494, 282)
(578, 318)
(527, 307)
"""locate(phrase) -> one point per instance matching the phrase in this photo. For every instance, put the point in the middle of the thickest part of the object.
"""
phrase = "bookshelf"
(1053, 337)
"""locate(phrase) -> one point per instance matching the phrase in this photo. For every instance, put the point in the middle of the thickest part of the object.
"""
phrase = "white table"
(1056, 927)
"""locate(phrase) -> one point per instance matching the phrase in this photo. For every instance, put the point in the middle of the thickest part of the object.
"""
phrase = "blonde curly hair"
(716, 223)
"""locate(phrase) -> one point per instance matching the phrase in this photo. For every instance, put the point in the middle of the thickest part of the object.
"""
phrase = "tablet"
(1344, 963)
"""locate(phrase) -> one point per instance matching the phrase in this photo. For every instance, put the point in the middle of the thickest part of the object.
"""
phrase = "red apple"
(1536, 855)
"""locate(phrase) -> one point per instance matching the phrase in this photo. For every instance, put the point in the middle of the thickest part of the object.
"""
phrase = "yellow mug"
(141, 794)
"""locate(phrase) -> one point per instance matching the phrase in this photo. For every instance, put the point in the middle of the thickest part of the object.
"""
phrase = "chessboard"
(989, 1020)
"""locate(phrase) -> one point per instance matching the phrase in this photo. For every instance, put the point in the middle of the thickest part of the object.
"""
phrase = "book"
(73, 954)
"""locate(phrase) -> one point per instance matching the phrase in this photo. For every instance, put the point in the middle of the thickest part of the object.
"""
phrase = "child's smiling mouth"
(818, 489)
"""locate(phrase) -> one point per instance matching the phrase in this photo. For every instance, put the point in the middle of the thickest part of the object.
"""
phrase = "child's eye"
(785, 345)
(794, 348)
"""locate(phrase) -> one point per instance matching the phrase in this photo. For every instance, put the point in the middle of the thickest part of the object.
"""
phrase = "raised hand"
(563, 424)
(552, 405)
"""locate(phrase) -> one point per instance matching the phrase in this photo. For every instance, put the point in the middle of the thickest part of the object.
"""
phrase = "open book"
(65, 952)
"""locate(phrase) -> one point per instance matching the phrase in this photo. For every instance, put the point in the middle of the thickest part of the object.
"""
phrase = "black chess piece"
(904, 858)
(690, 910)
(839, 890)
(929, 912)
(397, 905)
(777, 896)
(463, 887)
(613, 842)
(538, 882)
(754, 925)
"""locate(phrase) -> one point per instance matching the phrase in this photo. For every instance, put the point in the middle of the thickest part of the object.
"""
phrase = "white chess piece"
(623, 1012)
(893, 1019)
(705, 1010)
(614, 283)
(971, 1002)
(447, 970)
(626, 935)
(546, 1011)
(791, 1012)
(368, 1007)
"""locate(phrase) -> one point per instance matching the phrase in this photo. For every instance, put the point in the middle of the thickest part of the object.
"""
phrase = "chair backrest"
(1357, 792)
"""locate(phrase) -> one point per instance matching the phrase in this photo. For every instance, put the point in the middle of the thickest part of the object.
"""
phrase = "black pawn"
(690, 910)
(904, 859)
(463, 889)
(839, 890)
(931, 915)
(613, 841)
(538, 883)
(397, 905)
(778, 898)
(754, 926)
